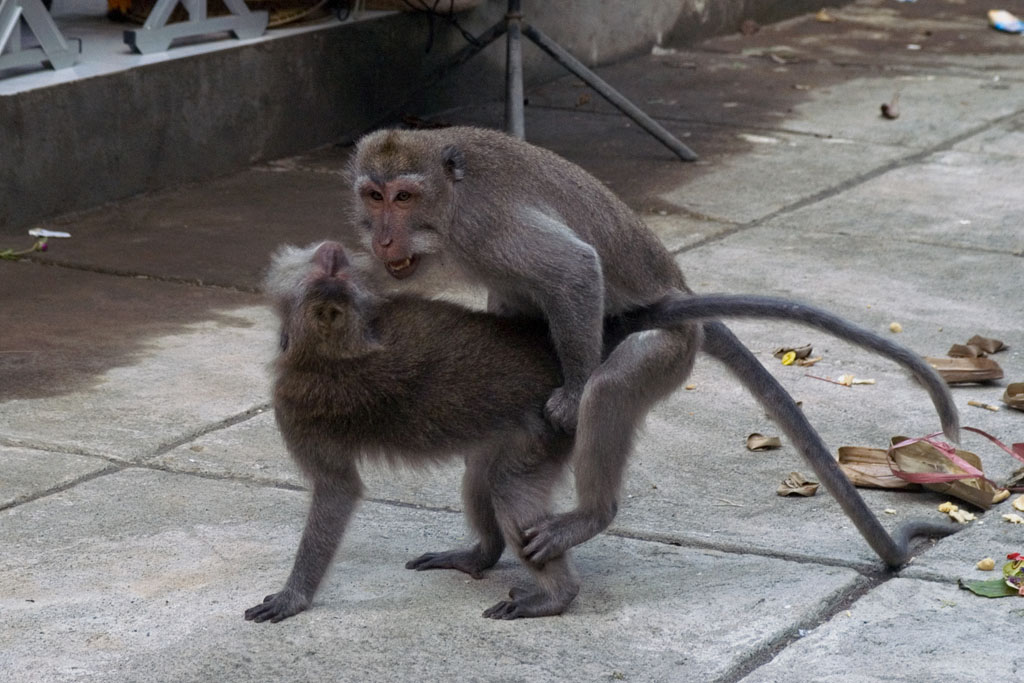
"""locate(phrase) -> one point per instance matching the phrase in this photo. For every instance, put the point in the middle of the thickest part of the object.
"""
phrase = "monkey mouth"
(403, 268)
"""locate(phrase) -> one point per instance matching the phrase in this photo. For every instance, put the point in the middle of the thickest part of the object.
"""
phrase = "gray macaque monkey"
(547, 239)
(361, 376)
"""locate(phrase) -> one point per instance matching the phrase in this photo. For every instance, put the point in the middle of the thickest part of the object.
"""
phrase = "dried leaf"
(1014, 395)
(869, 468)
(965, 351)
(760, 442)
(960, 370)
(797, 351)
(993, 588)
(825, 17)
(797, 484)
(986, 344)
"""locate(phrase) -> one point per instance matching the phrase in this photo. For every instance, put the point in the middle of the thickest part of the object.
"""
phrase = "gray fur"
(548, 239)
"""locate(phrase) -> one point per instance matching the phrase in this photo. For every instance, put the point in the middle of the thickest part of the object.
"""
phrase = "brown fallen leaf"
(797, 484)
(824, 17)
(963, 370)
(965, 351)
(760, 442)
(986, 344)
(797, 351)
(1014, 395)
(869, 468)
(923, 458)
(891, 110)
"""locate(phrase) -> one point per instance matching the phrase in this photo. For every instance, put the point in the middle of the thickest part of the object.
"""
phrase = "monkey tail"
(676, 308)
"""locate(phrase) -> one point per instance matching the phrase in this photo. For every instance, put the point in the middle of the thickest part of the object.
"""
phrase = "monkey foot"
(562, 409)
(472, 561)
(554, 536)
(277, 606)
(527, 604)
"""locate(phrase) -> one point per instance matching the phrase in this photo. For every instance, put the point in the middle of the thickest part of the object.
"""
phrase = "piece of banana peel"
(873, 468)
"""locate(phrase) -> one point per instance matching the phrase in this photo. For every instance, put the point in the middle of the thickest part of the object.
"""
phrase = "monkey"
(409, 380)
(405, 379)
(547, 239)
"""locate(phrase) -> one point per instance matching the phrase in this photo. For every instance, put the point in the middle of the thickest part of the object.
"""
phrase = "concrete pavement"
(146, 499)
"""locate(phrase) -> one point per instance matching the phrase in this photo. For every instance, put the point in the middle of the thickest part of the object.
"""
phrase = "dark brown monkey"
(414, 381)
(411, 380)
(548, 239)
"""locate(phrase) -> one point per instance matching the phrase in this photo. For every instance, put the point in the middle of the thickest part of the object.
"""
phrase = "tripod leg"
(609, 93)
(514, 123)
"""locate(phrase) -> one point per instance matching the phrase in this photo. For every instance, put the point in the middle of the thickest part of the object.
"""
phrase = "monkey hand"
(562, 409)
(278, 606)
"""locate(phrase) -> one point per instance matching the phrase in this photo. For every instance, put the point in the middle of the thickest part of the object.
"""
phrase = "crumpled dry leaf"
(1014, 395)
(960, 370)
(869, 468)
(923, 458)
(797, 351)
(760, 442)
(986, 344)
(797, 484)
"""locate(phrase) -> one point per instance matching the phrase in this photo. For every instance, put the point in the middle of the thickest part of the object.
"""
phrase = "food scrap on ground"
(1018, 503)
(986, 406)
(1011, 583)
(895, 326)
(797, 484)
(1014, 519)
(955, 513)
(986, 565)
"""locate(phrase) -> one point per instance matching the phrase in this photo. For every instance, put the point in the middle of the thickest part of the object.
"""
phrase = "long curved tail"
(677, 307)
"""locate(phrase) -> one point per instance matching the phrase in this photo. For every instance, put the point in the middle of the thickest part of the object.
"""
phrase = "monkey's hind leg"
(476, 497)
(335, 496)
(522, 495)
(644, 369)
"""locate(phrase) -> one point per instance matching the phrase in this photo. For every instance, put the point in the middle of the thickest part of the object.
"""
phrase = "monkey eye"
(376, 196)
(403, 196)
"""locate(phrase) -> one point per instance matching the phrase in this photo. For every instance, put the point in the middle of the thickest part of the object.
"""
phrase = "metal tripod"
(512, 26)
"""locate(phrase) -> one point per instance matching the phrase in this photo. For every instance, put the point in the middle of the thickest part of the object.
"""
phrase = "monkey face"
(404, 196)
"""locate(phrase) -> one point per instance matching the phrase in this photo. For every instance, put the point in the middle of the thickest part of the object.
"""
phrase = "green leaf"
(995, 588)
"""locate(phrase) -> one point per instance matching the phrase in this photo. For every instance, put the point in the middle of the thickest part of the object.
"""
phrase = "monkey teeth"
(402, 269)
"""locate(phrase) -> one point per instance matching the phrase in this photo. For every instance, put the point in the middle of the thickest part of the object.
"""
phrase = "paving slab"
(28, 473)
(88, 594)
(907, 631)
(716, 190)
(951, 35)
(783, 90)
(119, 366)
(960, 200)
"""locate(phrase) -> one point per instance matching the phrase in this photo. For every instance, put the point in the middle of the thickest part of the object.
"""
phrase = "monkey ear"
(454, 162)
